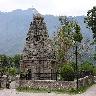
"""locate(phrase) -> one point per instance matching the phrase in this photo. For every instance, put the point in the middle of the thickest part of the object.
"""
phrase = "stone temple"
(38, 54)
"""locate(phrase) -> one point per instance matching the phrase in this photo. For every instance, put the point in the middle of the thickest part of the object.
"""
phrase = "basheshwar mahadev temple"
(38, 54)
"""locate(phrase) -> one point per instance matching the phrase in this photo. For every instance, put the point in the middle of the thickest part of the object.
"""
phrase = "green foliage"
(4, 60)
(80, 90)
(12, 71)
(4, 70)
(67, 36)
(87, 67)
(30, 89)
(16, 60)
(10, 64)
(90, 20)
(64, 39)
(94, 70)
(73, 65)
(94, 56)
(67, 72)
(77, 35)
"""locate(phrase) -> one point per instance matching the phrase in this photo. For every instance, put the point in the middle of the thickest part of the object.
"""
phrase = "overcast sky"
(54, 7)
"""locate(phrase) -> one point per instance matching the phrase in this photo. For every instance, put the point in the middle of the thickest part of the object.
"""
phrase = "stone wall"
(95, 79)
(55, 84)
(86, 81)
(3, 81)
(46, 84)
(50, 83)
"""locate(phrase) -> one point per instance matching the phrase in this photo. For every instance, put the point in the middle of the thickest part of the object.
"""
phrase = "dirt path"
(12, 92)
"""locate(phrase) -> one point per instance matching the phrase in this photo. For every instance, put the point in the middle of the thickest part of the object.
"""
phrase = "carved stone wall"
(38, 52)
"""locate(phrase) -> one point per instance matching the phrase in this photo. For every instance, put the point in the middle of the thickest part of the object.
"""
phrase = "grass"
(30, 89)
(80, 90)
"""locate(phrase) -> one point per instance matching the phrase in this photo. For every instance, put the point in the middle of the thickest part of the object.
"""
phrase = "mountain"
(14, 27)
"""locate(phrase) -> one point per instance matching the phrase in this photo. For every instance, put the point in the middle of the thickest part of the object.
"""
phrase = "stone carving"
(38, 52)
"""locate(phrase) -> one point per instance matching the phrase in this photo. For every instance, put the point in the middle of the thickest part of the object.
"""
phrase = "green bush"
(67, 72)
(73, 64)
(12, 71)
(87, 67)
(94, 70)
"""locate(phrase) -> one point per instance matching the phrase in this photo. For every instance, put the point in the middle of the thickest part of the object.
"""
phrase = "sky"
(53, 7)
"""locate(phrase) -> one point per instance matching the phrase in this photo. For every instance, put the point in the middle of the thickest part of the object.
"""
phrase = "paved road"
(12, 92)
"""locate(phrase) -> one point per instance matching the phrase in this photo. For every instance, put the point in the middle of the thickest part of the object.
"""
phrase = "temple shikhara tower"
(38, 54)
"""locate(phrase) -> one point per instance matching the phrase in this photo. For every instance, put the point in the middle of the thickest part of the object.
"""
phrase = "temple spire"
(37, 53)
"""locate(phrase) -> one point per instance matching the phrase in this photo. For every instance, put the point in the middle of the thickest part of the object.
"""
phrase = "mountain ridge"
(14, 27)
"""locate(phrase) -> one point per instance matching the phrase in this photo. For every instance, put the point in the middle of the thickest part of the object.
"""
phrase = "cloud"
(55, 7)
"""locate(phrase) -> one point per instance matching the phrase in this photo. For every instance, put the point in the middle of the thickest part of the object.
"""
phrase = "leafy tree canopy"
(90, 20)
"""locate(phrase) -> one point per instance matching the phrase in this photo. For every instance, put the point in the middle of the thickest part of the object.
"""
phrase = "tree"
(16, 60)
(10, 61)
(4, 61)
(77, 38)
(63, 41)
(90, 20)
(7, 62)
(77, 35)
